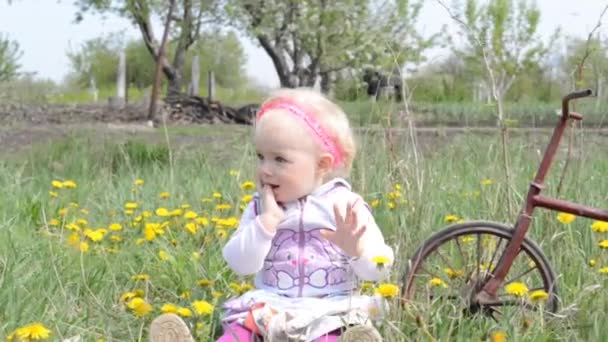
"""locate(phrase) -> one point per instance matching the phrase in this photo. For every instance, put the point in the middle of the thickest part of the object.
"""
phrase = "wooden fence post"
(196, 75)
(211, 85)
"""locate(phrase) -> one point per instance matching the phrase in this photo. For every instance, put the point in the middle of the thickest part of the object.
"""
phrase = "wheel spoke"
(521, 275)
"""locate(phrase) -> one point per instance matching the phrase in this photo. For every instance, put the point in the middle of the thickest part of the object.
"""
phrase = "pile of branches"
(195, 109)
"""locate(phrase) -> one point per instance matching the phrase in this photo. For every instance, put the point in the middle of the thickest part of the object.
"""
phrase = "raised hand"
(272, 213)
(348, 231)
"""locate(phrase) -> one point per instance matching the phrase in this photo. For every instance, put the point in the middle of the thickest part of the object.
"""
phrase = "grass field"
(88, 224)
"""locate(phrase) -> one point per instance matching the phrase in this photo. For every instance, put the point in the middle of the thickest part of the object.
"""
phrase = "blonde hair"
(330, 116)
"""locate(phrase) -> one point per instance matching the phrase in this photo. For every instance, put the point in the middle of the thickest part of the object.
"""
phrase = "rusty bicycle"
(492, 267)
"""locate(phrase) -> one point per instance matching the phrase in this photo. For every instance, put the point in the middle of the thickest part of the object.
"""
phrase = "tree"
(188, 18)
(9, 58)
(97, 58)
(501, 36)
(314, 39)
(586, 64)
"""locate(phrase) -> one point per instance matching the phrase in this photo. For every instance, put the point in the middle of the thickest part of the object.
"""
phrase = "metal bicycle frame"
(535, 199)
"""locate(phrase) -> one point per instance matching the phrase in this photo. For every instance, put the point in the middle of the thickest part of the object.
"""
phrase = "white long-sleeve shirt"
(296, 261)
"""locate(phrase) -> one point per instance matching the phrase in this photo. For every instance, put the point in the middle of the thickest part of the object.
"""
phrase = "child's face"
(288, 157)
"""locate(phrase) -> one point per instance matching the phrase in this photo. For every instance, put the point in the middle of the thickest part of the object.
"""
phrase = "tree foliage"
(188, 20)
(501, 35)
(10, 54)
(310, 39)
(97, 59)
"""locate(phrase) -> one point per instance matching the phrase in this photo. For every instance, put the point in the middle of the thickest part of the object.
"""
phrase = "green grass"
(45, 280)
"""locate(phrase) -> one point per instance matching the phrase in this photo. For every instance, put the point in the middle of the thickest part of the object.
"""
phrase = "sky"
(45, 31)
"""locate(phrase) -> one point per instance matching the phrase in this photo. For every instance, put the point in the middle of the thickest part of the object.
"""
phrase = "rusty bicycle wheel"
(453, 265)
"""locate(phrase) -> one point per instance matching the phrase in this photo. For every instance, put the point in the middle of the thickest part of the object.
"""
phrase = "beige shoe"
(361, 333)
(169, 328)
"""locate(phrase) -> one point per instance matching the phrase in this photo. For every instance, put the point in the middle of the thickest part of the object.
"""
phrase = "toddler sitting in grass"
(307, 237)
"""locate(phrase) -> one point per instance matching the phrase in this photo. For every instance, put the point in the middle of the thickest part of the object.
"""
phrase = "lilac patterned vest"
(300, 262)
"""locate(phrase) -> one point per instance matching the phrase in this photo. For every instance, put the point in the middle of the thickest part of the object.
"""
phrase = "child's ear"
(326, 163)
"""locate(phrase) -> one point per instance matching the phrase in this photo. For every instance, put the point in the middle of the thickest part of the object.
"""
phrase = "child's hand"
(348, 233)
(272, 213)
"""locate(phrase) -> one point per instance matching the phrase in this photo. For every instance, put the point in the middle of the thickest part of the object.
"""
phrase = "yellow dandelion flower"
(221, 234)
(169, 308)
(82, 222)
(603, 270)
(186, 294)
(436, 282)
(592, 262)
(467, 239)
(57, 184)
(387, 290)
(116, 238)
(127, 296)
(539, 296)
(195, 256)
(131, 205)
(162, 212)
(565, 218)
(128, 212)
(74, 205)
(95, 235)
(84, 211)
(205, 282)
(248, 185)
(69, 184)
(139, 307)
(191, 227)
(516, 288)
(164, 195)
(233, 173)
(603, 244)
(216, 294)
(229, 222)
(397, 187)
(451, 218)
(380, 259)
(453, 274)
(217, 195)
(203, 221)
(139, 182)
(190, 214)
(246, 198)
(176, 212)
(375, 203)
(391, 205)
(142, 276)
(53, 194)
(486, 182)
(206, 200)
(62, 212)
(224, 206)
(54, 222)
(185, 206)
(163, 255)
(115, 227)
(599, 226)
(498, 336)
(83, 247)
(32, 332)
(184, 312)
(202, 307)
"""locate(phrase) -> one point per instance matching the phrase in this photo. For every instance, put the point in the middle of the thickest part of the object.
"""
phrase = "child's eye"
(260, 157)
(280, 159)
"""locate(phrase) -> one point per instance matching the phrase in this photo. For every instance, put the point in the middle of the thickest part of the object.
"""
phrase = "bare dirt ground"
(23, 127)
(21, 137)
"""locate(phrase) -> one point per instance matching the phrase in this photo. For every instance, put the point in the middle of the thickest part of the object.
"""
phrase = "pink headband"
(313, 125)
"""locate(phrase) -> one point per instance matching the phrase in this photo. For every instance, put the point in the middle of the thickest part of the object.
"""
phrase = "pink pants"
(238, 333)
